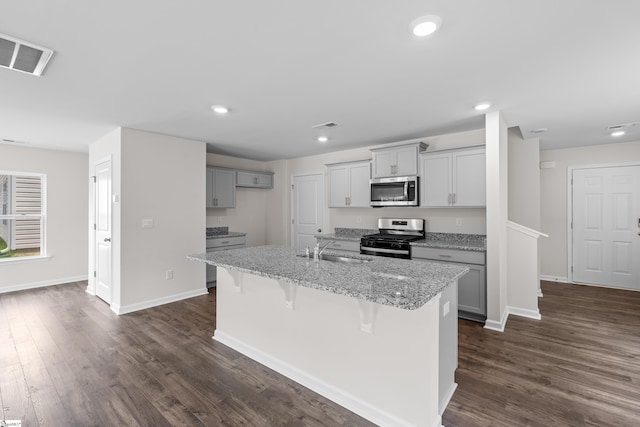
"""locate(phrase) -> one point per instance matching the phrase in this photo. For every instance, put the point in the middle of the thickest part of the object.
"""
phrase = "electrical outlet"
(445, 309)
(458, 222)
(169, 275)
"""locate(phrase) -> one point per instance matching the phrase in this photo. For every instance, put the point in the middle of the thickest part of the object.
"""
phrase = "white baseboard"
(156, 302)
(531, 314)
(498, 325)
(445, 402)
(33, 285)
(339, 396)
(554, 278)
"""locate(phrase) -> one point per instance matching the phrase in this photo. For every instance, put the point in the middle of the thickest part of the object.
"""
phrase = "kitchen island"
(374, 335)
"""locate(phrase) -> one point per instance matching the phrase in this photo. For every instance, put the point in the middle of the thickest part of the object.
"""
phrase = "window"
(22, 217)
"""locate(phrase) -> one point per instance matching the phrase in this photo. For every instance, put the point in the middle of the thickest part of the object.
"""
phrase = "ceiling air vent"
(23, 56)
(325, 125)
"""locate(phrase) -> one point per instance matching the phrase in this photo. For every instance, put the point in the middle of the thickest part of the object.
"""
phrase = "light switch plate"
(147, 223)
(445, 309)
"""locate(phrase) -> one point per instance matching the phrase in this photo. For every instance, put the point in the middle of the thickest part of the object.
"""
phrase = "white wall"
(553, 250)
(66, 232)
(524, 180)
(163, 178)
(438, 220)
(497, 215)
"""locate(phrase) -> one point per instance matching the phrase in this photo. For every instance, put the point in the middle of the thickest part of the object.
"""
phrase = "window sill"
(24, 259)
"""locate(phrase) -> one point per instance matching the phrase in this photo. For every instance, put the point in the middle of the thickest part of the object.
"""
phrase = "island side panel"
(390, 376)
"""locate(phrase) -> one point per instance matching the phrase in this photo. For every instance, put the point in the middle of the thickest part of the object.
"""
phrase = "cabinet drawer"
(226, 241)
(450, 255)
(343, 245)
(224, 248)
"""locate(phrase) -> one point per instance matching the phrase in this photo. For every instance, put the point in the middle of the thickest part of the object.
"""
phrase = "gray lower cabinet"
(215, 244)
(472, 287)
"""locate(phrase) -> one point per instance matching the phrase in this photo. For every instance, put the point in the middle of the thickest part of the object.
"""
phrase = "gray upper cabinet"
(254, 179)
(453, 178)
(400, 160)
(349, 184)
(221, 187)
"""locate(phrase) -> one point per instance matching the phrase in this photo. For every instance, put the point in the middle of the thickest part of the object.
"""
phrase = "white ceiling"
(571, 66)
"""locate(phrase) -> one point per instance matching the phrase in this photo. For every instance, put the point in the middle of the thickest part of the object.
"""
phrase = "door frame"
(291, 205)
(91, 287)
(570, 170)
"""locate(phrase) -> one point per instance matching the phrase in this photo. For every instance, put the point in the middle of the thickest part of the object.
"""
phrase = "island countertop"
(405, 284)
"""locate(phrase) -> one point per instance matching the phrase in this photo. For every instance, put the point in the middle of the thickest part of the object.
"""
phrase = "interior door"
(606, 226)
(103, 230)
(307, 209)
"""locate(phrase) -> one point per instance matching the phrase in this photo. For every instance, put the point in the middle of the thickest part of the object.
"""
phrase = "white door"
(103, 230)
(307, 209)
(606, 226)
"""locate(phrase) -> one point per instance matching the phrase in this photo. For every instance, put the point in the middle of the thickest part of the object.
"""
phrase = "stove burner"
(394, 238)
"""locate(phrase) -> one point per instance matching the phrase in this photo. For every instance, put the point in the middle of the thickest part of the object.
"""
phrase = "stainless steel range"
(394, 237)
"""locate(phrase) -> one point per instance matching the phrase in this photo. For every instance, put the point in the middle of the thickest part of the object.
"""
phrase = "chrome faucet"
(318, 250)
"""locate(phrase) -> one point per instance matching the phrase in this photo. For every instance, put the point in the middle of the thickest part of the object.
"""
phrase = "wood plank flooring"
(67, 360)
(578, 366)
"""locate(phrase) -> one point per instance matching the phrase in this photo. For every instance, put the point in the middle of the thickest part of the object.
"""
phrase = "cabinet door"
(406, 161)
(383, 163)
(469, 172)
(254, 179)
(472, 292)
(224, 188)
(338, 181)
(210, 188)
(359, 187)
(435, 180)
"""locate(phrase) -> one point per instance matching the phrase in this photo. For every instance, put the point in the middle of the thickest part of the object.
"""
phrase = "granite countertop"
(464, 242)
(221, 233)
(400, 283)
(347, 234)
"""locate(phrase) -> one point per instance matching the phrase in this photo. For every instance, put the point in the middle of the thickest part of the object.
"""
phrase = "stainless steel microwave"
(396, 191)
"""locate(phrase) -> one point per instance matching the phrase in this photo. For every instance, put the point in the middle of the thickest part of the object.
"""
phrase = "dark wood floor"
(67, 360)
(578, 366)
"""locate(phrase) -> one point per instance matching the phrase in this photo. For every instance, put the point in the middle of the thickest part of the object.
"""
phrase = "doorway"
(605, 226)
(307, 209)
(102, 231)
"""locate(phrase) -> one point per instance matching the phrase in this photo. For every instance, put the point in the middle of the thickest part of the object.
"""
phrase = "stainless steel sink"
(336, 258)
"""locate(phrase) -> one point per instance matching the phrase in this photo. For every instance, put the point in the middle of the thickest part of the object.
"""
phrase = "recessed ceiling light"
(482, 106)
(425, 25)
(220, 109)
(539, 130)
(617, 133)
(323, 139)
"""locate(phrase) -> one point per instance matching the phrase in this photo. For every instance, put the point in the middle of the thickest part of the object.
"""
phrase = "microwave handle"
(406, 190)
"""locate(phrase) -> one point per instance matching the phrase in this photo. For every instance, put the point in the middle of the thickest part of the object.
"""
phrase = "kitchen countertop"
(347, 234)
(221, 233)
(463, 242)
(394, 282)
